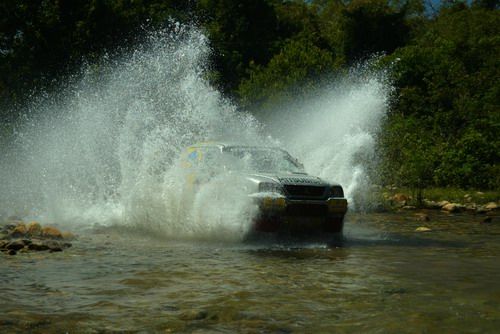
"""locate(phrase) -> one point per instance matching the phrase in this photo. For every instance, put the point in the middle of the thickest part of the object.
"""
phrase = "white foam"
(334, 132)
(103, 150)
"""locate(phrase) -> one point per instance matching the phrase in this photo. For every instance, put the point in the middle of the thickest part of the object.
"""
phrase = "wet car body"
(288, 199)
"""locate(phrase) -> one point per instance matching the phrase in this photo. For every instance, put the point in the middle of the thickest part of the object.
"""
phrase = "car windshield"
(261, 160)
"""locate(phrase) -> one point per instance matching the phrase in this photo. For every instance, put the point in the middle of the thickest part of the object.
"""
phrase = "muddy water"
(382, 277)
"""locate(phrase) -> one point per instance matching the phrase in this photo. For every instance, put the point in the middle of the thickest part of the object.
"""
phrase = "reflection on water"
(381, 277)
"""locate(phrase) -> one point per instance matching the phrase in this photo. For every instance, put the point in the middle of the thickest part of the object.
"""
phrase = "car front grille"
(307, 210)
(304, 192)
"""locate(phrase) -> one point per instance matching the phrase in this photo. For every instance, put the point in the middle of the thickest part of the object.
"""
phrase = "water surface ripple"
(382, 277)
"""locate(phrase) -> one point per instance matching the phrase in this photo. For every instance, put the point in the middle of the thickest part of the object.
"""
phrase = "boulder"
(471, 207)
(19, 231)
(15, 245)
(19, 237)
(408, 207)
(54, 246)
(481, 209)
(38, 245)
(452, 207)
(422, 229)
(7, 228)
(68, 236)
(34, 229)
(399, 197)
(443, 203)
(491, 206)
(51, 233)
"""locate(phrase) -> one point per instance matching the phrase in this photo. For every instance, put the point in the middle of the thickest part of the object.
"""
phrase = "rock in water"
(17, 237)
(19, 231)
(34, 229)
(51, 233)
(451, 207)
(7, 228)
(481, 209)
(422, 229)
(54, 246)
(402, 199)
(491, 206)
(68, 236)
(38, 246)
(443, 203)
(15, 245)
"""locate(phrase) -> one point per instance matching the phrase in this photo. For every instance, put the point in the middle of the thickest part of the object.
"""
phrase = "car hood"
(286, 178)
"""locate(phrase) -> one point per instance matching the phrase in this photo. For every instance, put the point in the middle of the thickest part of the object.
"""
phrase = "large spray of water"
(104, 149)
(334, 130)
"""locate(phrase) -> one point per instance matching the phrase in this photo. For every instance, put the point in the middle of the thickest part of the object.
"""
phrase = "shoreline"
(450, 200)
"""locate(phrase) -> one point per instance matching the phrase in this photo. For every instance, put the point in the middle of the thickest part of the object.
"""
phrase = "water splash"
(334, 131)
(103, 149)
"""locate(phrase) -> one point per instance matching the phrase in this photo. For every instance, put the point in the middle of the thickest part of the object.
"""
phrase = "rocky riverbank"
(17, 236)
(406, 202)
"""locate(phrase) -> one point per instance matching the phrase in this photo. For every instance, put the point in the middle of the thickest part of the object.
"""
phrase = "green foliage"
(241, 33)
(321, 38)
(373, 26)
(409, 154)
(448, 80)
(42, 40)
(289, 73)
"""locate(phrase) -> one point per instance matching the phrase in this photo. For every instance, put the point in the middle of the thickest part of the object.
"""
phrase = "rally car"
(288, 199)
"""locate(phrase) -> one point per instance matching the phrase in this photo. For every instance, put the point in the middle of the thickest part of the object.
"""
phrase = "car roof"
(209, 144)
(224, 145)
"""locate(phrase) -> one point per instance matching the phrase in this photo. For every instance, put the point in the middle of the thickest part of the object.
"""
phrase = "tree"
(241, 32)
(41, 41)
(373, 26)
(289, 73)
(448, 78)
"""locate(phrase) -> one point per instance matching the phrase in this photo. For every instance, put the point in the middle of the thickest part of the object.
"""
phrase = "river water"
(382, 277)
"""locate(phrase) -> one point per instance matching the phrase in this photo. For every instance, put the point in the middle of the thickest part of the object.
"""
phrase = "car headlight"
(336, 191)
(268, 187)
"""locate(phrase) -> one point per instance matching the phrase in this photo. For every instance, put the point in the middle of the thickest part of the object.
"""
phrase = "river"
(382, 277)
